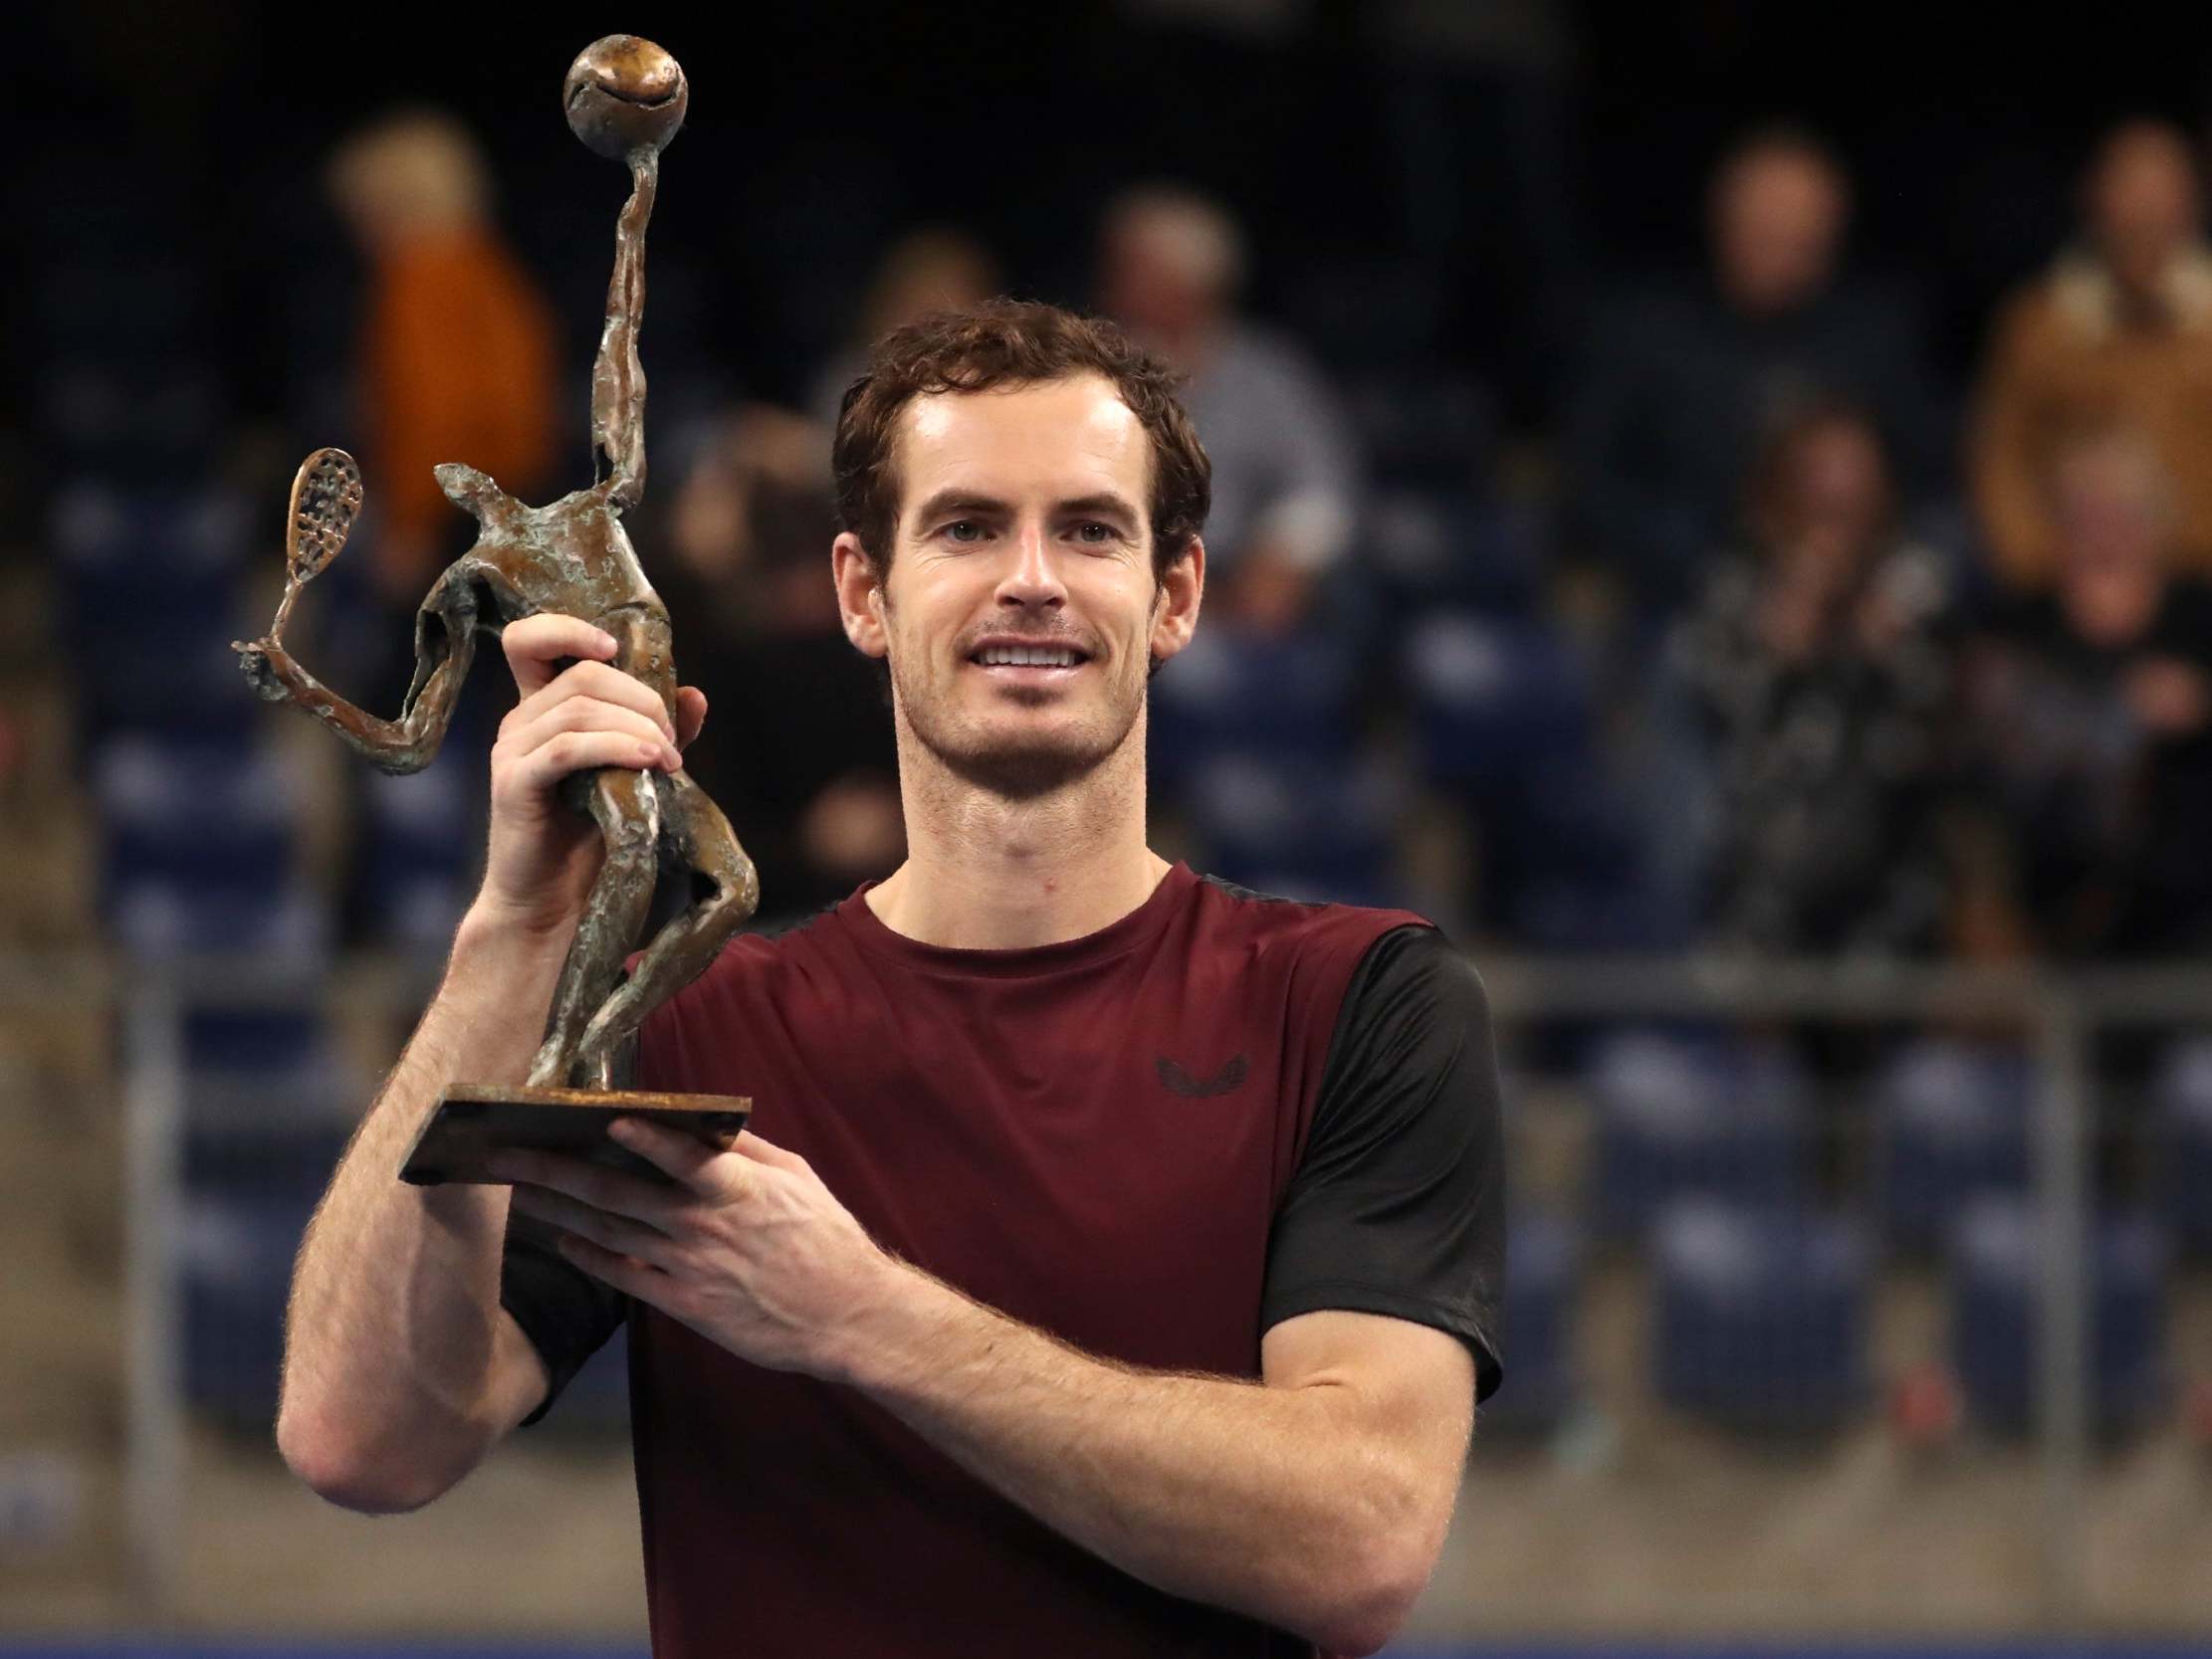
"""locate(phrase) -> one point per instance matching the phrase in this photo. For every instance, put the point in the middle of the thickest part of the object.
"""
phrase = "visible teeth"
(1030, 655)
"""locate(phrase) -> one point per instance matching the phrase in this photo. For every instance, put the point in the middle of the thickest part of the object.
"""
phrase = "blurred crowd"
(1788, 647)
(1759, 634)
(1583, 605)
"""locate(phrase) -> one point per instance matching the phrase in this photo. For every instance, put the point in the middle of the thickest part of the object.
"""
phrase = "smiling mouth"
(1029, 666)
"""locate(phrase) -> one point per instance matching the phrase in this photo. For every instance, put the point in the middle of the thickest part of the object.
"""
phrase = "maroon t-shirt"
(1153, 1142)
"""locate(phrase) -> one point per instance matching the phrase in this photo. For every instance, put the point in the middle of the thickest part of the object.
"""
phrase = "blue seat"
(149, 416)
(157, 919)
(1543, 1267)
(420, 845)
(1679, 1117)
(149, 577)
(1296, 827)
(1234, 691)
(1492, 699)
(1995, 1260)
(1425, 425)
(1953, 1127)
(1428, 547)
(1761, 1314)
(2182, 1132)
(235, 1256)
(201, 816)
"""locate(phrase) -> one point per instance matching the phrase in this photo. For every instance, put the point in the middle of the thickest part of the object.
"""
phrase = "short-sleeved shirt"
(1155, 1142)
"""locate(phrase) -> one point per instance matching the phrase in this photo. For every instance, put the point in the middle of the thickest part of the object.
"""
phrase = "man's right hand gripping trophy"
(558, 583)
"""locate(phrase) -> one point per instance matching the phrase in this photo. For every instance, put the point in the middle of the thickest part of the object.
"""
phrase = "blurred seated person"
(796, 749)
(2091, 722)
(936, 268)
(1285, 472)
(1682, 383)
(2118, 332)
(1814, 678)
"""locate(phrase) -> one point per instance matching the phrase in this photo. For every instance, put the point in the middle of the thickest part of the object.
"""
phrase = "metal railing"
(2058, 1017)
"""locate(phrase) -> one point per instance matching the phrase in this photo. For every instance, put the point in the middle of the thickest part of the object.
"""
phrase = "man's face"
(2142, 204)
(1022, 523)
(1778, 217)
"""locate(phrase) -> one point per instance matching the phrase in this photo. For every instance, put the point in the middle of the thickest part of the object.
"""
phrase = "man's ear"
(1175, 609)
(859, 595)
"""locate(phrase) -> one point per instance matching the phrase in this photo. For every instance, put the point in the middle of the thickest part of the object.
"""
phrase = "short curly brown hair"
(1012, 343)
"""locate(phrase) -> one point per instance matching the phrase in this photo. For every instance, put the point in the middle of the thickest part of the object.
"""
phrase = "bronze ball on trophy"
(624, 95)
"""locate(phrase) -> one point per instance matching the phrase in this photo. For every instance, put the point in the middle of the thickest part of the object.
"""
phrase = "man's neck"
(985, 873)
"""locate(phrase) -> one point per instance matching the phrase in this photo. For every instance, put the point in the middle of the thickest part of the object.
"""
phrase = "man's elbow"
(1371, 1610)
(353, 1476)
(1385, 1570)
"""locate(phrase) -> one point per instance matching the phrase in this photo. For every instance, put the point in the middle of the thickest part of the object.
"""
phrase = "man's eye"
(1094, 532)
(964, 529)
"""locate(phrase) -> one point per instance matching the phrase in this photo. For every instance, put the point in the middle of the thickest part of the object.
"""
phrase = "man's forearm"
(1274, 1502)
(394, 1305)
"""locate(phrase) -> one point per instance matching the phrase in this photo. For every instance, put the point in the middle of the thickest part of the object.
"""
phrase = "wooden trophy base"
(474, 1120)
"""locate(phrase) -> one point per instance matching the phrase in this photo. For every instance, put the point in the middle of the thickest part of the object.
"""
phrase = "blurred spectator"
(1284, 470)
(2120, 331)
(1680, 385)
(2092, 717)
(939, 268)
(1817, 677)
(797, 748)
(458, 350)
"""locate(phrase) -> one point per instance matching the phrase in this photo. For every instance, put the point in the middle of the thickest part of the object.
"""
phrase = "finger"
(610, 1232)
(753, 1147)
(576, 751)
(626, 1274)
(586, 714)
(685, 1158)
(534, 643)
(610, 1190)
(691, 714)
(599, 680)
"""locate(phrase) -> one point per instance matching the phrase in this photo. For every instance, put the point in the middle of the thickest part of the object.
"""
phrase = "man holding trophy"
(1110, 1264)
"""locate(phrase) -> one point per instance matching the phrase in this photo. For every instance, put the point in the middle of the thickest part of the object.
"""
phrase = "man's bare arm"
(1316, 1500)
(401, 1369)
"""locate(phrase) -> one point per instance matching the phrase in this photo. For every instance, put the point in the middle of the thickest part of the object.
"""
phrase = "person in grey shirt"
(1286, 467)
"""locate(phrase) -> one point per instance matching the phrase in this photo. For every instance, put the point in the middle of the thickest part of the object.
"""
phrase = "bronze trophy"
(625, 98)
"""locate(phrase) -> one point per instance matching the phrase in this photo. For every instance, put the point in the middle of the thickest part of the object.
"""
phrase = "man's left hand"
(748, 1247)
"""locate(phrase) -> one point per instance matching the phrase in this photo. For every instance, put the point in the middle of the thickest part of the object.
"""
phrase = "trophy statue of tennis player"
(625, 98)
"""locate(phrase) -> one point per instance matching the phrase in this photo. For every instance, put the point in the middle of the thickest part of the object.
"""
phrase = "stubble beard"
(1013, 769)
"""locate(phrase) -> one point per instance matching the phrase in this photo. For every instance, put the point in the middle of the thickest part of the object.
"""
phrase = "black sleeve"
(1398, 1203)
(565, 1313)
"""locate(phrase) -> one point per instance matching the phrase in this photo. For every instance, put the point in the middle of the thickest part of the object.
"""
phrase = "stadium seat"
(235, 1255)
(1761, 1314)
(1709, 1116)
(1492, 699)
(420, 842)
(1428, 547)
(202, 816)
(1298, 828)
(1542, 1270)
(1996, 1263)
(149, 579)
(2182, 1133)
(1235, 692)
(1952, 1126)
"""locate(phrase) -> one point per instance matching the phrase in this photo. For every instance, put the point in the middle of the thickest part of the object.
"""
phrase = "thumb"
(691, 714)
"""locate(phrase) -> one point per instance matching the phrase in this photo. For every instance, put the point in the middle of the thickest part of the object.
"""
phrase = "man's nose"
(1034, 578)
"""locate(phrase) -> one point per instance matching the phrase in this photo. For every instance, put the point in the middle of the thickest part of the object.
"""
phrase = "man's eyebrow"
(1106, 504)
(959, 500)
